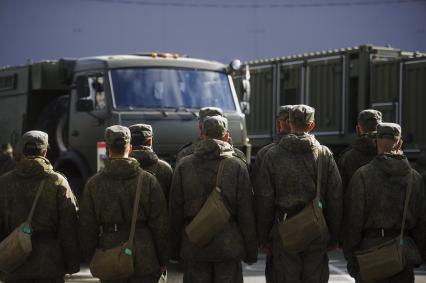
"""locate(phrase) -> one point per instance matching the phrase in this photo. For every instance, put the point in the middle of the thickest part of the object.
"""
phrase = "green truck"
(338, 84)
(74, 100)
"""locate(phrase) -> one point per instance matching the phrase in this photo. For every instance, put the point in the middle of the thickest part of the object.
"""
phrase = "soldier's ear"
(311, 127)
(226, 137)
(43, 152)
(399, 144)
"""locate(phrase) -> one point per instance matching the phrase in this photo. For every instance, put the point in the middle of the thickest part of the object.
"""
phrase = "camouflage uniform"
(106, 213)
(283, 113)
(55, 249)
(363, 150)
(420, 165)
(149, 160)
(193, 180)
(374, 206)
(6, 160)
(288, 176)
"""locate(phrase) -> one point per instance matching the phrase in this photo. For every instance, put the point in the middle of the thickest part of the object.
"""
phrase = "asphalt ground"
(255, 273)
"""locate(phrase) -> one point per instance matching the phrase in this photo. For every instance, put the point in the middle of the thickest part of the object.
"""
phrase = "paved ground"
(255, 273)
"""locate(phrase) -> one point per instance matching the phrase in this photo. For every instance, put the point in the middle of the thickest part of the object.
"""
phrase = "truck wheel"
(53, 120)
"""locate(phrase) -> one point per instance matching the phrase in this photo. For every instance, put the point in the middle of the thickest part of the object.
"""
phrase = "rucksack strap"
(135, 208)
(407, 199)
(37, 197)
(319, 171)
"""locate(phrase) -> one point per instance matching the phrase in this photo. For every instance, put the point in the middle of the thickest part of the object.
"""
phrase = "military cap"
(209, 111)
(141, 130)
(35, 139)
(117, 135)
(215, 126)
(284, 111)
(388, 131)
(369, 116)
(302, 114)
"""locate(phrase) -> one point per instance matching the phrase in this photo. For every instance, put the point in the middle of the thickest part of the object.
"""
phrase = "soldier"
(107, 206)
(193, 180)
(7, 163)
(363, 150)
(420, 165)
(289, 177)
(189, 148)
(282, 125)
(374, 202)
(141, 140)
(55, 250)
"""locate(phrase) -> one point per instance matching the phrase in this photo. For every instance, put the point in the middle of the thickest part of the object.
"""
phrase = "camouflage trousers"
(309, 266)
(40, 280)
(213, 272)
(135, 279)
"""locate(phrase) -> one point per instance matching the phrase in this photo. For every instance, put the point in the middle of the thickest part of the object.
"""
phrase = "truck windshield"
(171, 88)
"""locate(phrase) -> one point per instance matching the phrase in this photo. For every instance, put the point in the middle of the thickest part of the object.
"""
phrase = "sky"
(219, 30)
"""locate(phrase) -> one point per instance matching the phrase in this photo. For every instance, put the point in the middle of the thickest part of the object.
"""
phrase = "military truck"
(74, 100)
(339, 83)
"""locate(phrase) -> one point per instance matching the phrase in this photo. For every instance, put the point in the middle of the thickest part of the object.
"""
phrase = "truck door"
(87, 123)
(325, 85)
(384, 77)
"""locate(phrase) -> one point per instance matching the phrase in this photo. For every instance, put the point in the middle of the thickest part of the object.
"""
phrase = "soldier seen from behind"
(142, 141)
(189, 148)
(7, 163)
(288, 186)
(194, 180)
(363, 150)
(374, 203)
(55, 249)
(282, 125)
(107, 206)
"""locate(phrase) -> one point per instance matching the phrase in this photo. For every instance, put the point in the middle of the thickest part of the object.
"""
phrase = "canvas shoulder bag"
(309, 224)
(212, 217)
(387, 259)
(117, 263)
(15, 249)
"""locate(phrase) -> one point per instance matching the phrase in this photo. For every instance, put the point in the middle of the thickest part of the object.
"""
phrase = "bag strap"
(407, 199)
(135, 208)
(319, 171)
(220, 171)
(37, 197)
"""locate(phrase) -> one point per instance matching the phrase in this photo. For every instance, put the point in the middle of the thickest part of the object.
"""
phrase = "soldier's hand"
(266, 248)
(163, 269)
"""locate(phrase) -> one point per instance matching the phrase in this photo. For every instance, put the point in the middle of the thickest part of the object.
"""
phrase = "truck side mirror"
(82, 86)
(85, 105)
(245, 86)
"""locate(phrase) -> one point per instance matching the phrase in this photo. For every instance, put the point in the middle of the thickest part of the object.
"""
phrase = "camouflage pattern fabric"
(222, 272)
(108, 199)
(288, 175)
(150, 162)
(420, 165)
(190, 149)
(375, 200)
(55, 240)
(193, 180)
(6, 164)
(361, 152)
(255, 168)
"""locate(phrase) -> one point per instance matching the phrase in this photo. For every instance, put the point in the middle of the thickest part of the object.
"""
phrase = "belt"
(381, 233)
(119, 227)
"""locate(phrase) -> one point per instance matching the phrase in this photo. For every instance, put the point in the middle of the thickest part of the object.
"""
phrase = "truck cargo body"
(339, 84)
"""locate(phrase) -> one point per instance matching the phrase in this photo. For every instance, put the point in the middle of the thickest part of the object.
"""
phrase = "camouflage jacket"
(162, 170)
(193, 180)
(361, 152)
(420, 165)
(6, 164)
(375, 200)
(108, 201)
(55, 240)
(288, 184)
(191, 147)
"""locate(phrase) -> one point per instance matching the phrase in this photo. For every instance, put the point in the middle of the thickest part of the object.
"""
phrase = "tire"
(53, 120)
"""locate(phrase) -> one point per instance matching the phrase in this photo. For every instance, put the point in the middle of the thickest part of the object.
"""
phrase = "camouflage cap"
(208, 112)
(215, 126)
(389, 131)
(117, 135)
(369, 116)
(302, 114)
(35, 139)
(284, 111)
(141, 130)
